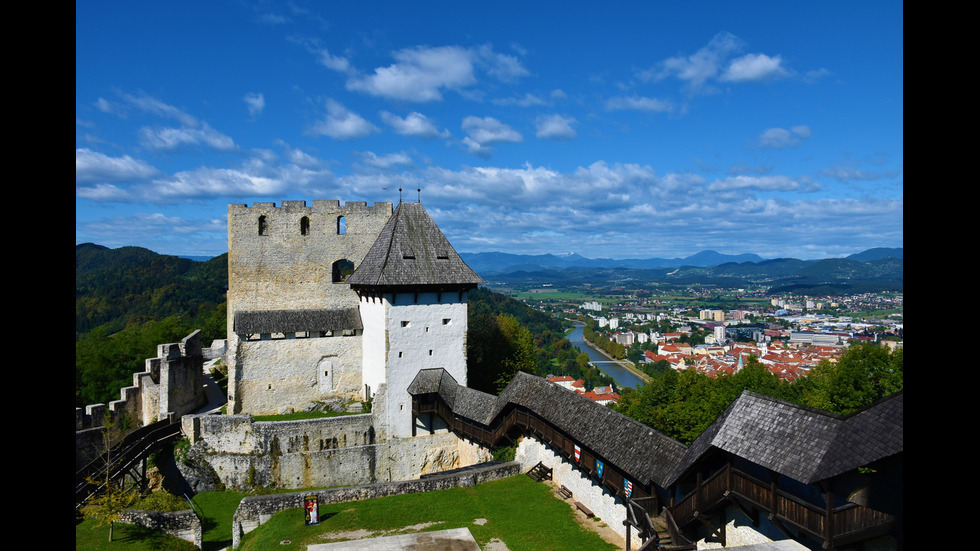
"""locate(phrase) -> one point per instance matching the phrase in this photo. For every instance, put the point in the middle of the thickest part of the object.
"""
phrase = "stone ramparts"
(332, 451)
(173, 383)
(254, 510)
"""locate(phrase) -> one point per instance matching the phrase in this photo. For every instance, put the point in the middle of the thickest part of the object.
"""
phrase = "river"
(622, 376)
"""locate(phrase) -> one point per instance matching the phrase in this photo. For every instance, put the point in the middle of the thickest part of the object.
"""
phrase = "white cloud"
(700, 67)
(414, 124)
(639, 103)
(555, 127)
(778, 138)
(92, 166)
(342, 124)
(487, 131)
(423, 73)
(386, 161)
(255, 103)
(754, 68)
(716, 62)
(763, 183)
(333, 62)
(168, 139)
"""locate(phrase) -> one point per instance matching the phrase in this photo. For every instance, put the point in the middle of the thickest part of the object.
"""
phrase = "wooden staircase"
(539, 472)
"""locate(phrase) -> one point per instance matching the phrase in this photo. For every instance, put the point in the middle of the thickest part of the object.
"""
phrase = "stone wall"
(335, 451)
(290, 373)
(254, 510)
(172, 385)
(282, 258)
(598, 499)
(181, 524)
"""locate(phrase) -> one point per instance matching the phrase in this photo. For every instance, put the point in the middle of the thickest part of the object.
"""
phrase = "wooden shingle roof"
(412, 251)
(806, 444)
(633, 447)
(256, 322)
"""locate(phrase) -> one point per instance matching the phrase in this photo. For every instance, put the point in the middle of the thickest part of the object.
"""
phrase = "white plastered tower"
(413, 290)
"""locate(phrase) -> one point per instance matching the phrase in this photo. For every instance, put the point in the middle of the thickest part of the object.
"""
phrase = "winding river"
(623, 377)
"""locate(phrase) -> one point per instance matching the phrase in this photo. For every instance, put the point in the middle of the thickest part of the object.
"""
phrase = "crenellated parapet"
(172, 384)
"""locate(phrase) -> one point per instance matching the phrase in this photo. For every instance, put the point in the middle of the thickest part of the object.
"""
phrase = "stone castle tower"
(302, 327)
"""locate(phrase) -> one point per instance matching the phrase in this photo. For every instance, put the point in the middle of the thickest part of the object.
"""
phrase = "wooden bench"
(564, 492)
(584, 509)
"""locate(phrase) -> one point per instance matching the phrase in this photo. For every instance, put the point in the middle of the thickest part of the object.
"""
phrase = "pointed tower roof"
(412, 251)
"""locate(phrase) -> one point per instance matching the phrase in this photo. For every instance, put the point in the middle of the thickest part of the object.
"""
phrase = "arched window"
(263, 228)
(341, 225)
(341, 269)
(304, 226)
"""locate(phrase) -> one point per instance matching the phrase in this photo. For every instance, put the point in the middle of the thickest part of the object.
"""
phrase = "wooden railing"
(832, 525)
(529, 422)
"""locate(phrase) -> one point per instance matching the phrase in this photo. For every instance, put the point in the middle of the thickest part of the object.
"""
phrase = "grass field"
(517, 511)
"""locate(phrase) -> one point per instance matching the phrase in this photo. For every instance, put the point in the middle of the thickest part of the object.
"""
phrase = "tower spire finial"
(420, 193)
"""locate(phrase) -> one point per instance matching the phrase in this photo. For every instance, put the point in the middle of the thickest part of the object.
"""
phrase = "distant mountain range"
(491, 263)
(874, 270)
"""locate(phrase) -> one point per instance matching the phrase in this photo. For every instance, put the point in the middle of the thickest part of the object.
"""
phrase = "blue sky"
(614, 130)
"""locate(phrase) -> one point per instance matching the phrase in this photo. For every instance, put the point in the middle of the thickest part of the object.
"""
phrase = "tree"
(107, 506)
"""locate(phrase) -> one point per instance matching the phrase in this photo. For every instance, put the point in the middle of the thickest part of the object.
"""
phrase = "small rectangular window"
(446, 321)
(406, 323)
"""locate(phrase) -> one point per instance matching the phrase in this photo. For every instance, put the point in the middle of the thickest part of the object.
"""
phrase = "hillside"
(116, 287)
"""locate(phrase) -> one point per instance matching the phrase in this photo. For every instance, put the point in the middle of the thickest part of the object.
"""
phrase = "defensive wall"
(172, 385)
(345, 450)
(254, 510)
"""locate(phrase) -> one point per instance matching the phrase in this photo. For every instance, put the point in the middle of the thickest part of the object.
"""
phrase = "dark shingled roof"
(633, 447)
(256, 322)
(803, 443)
(412, 251)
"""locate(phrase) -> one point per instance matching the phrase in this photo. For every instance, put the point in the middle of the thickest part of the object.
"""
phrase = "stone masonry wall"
(173, 383)
(289, 373)
(598, 499)
(281, 258)
(320, 452)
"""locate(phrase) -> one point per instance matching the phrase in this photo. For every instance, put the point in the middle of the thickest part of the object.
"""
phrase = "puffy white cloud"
(414, 124)
(485, 132)
(700, 67)
(422, 74)
(343, 124)
(92, 166)
(754, 67)
(555, 127)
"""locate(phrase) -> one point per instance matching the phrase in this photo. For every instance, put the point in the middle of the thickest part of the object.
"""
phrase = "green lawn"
(522, 513)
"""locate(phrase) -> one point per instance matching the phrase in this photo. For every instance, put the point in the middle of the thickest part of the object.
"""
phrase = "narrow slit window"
(304, 226)
(341, 225)
(263, 225)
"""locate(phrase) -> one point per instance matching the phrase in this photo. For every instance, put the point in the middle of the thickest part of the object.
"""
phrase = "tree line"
(681, 404)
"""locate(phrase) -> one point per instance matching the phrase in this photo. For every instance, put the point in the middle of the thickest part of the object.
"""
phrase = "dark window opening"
(342, 269)
(304, 226)
(263, 227)
(341, 225)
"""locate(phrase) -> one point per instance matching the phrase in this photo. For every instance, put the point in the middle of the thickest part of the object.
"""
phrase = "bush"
(163, 502)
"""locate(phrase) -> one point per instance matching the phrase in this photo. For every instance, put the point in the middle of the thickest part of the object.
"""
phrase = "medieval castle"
(369, 303)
